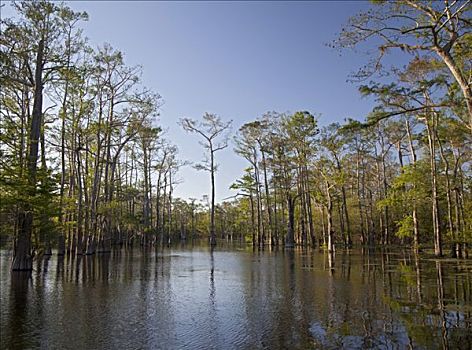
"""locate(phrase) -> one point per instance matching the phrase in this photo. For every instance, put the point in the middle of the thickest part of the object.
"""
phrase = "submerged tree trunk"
(290, 239)
(272, 228)
(348, 238)
(253, 219)
(22, 255)
(359, 200)
(330, 218)
(323, 227)
(311, 226)
(386, 231)
(169, 208)
(22, 259)
(80, 204)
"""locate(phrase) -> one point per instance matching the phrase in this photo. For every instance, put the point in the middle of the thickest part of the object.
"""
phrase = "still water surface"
(234, 298)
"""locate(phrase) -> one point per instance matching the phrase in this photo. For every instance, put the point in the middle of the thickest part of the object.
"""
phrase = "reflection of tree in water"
(15, 335)
(392, 300)
(346, 264)
(213, 331)
(161, 325)
(421, 300)
(441, 304)
(59, 269)
(212, 278)
(289, 299)
(283, 333)
(368, 314)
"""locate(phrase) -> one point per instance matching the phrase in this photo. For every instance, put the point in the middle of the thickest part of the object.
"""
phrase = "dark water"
(233, 298)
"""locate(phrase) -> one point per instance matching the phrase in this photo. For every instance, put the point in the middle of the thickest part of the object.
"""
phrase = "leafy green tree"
(32, 57)
(417, 28)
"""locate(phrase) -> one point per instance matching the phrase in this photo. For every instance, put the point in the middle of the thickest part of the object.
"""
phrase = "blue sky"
(235, 59)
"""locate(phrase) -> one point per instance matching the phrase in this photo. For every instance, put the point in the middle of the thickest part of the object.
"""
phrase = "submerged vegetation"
(85, 165)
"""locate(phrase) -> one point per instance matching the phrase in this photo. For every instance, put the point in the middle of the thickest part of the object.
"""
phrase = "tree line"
(402, 175)
(85, 164)
(79, 140)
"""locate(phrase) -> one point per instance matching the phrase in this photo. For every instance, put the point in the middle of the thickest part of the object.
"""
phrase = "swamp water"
(233, 298)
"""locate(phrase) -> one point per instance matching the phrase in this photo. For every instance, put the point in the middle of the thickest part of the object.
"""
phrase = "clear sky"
(235, 59)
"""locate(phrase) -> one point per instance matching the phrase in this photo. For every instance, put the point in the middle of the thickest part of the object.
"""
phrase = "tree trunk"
(290, 239)
(330, 218)
(461, 80)
(323, 227)
(386, 231)
(348, 237)
(431, 125)
(146, 211)
(164, 198)
(268, 201)
(260, 224)
(80, 249)
(22, 257)
(359, 200)
(311, 226)
(414, 209)
(253, 220)
(448, 197)
(458, 217)
(169, 209)
(212, 214)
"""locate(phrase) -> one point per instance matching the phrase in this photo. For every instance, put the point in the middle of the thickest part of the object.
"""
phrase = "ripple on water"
(190, 298)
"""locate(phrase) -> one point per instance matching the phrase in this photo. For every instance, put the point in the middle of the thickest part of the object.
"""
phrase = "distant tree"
(246, 186)
(215, 134)
(301, 130)
(333, 141)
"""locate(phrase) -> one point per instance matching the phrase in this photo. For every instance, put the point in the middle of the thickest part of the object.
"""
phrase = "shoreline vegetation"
(86, 166)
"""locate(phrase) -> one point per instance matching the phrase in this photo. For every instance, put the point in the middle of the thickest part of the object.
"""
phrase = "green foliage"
(107, 122)
(405, 227)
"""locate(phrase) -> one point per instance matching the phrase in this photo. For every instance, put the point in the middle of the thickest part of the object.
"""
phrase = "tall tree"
(442, 28)
(215, 134)
(36, 40)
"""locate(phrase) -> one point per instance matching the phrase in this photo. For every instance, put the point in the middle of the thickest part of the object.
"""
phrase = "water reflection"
(19, 305)
(233, 297)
